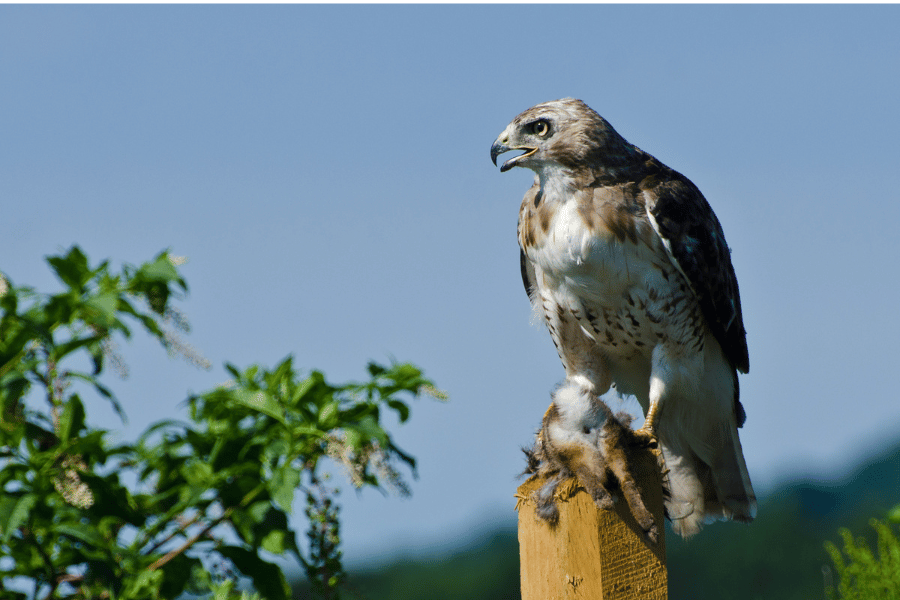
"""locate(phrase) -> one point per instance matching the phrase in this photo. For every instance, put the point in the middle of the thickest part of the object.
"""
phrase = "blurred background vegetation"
(780, 555)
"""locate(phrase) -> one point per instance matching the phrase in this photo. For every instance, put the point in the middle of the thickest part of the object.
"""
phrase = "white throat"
(556, 182)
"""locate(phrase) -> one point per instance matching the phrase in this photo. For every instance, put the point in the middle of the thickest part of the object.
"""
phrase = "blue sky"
(326, 169)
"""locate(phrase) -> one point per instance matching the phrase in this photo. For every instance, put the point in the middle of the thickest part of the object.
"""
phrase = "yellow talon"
(649, 428)
(646, 436)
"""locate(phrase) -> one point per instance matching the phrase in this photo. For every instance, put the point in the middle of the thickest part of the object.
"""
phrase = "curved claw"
(646, 437)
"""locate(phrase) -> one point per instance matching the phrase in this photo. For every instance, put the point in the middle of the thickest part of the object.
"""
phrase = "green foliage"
(862, 574)
(189, 506)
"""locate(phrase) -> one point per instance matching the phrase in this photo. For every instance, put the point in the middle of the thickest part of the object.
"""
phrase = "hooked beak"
(499, 148)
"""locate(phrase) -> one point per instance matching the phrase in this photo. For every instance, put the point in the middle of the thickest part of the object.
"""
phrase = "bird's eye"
(540, 128)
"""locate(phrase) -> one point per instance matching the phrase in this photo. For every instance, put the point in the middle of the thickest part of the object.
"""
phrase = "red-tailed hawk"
(626, 262)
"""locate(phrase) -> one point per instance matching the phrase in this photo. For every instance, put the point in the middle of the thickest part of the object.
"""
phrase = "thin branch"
(218, 521)
(64, 578)
(178, 531)
(190, 542)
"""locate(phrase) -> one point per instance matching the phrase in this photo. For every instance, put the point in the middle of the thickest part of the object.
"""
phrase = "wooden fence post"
(593, 554)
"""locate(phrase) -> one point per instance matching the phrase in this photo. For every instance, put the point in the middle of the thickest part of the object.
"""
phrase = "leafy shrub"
(862, 574)
(191, 505)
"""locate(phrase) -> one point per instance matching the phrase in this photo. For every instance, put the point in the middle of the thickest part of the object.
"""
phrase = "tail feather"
(684, 498)
(699, 493)
(731, 482)
(698, 434)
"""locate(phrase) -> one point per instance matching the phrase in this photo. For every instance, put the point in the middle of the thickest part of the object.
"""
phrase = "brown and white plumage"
(628, 265)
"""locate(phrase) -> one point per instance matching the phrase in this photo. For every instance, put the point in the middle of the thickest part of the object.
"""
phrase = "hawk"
(628, 266)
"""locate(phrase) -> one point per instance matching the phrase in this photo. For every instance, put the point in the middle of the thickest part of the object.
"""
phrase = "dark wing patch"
(527, 275)
(526, 233)
(740, 414)
(695, 238)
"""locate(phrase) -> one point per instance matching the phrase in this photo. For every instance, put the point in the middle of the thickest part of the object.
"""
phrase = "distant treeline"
(780, 555)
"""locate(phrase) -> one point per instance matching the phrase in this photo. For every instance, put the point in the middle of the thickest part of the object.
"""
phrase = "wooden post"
(593, 554)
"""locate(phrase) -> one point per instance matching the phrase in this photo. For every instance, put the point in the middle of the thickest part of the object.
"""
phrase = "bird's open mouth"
(501, 148)
(515, 159)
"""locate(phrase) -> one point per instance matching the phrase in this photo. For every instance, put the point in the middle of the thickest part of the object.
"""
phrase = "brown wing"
(685, 222)
(526, 214)
(527, 275)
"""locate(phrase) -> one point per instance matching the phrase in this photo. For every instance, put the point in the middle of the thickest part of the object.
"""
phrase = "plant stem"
(178, 531)
(190, 542)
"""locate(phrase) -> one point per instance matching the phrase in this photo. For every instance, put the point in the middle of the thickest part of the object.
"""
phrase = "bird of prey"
(627, 265)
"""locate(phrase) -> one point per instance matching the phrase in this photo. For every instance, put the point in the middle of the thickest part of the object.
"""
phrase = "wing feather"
(695, 242)
(526, 214)
(527, 275)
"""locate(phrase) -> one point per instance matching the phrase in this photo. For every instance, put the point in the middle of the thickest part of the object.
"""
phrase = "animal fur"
(598, 455)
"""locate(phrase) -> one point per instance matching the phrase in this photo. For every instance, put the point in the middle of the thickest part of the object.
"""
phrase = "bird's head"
(564, 134)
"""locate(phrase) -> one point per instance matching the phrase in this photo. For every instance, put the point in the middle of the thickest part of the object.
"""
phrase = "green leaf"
(314, 380)
(260, 511)
(275, 541)
(260, 402)
(72, 345)
(370, 429)
(328, 415)
(72, 269)
(401, 408)
(103, 391)
(222, 591)
(233, 370)
(198, 473)
(146, 584)
(83, 532)
(306, 430)
(41, 436)
(178, 572)
(282, 485)
(19, 515)
(267, 578)
(104, 307)
(13, 386)
(71, 421)
(7, 505)
(408, 459)
(161, 269)
(894, 514)
(375, 369)
(353, 438)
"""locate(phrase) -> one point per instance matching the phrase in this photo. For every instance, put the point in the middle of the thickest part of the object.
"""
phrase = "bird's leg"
(647, 432)
(646, 435)
(671, 369)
